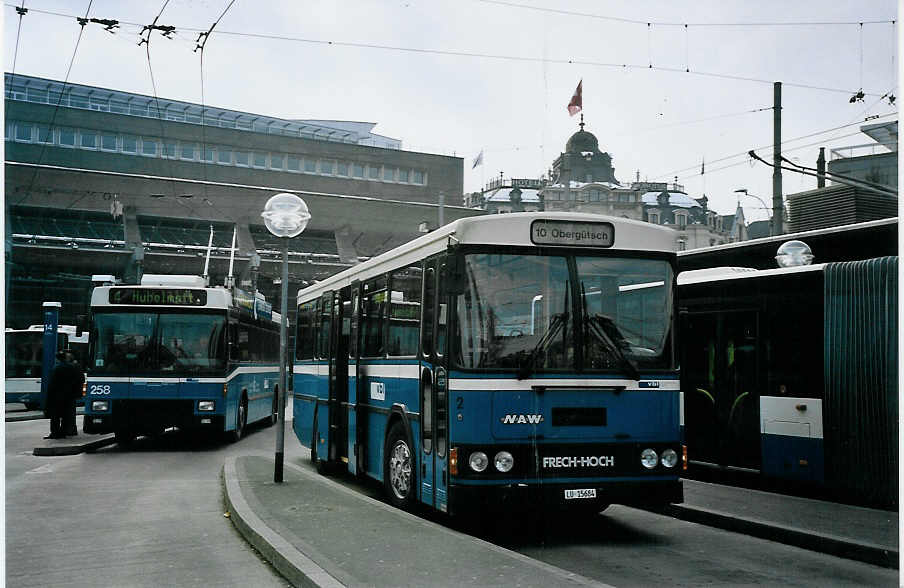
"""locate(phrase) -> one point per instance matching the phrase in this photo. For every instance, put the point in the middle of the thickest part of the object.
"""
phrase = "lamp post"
(772, 228)
(286, 216)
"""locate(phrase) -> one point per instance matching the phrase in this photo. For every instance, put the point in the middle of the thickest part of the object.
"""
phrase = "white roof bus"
(24, 360)
(172, 352)
(790, 376)
(523, 356)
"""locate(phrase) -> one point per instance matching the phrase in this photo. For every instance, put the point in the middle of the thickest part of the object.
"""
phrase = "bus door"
(357, 394)
(722, 395)
(434, 471)
(338, 372)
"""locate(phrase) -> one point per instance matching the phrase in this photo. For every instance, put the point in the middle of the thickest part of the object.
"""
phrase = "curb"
(829, 544)
(28, 416)
(295, 566)
(57, 450)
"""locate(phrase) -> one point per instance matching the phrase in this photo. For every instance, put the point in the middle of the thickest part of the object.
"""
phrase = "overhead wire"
(56, 108)
(502, 57)
(22, 11)
(744, 153)
(678, 24)
(200, 44)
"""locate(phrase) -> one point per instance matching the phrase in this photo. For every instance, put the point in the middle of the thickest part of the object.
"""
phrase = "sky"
(464, 76)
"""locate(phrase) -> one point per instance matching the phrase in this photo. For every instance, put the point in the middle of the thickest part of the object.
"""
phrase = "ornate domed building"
(583, 161)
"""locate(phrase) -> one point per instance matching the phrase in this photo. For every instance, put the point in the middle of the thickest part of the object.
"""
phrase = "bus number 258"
(98, 389)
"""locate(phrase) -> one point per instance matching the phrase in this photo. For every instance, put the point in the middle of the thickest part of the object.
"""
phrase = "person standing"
(75, 383)
(57, 391)
(64, 387)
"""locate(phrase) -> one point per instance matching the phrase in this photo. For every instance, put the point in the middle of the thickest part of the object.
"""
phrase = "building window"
(187, 150)
(681, 219)
(45, 134)
(259, 159)
(76, 101)
(276, 161)
(418, 177)
(169, 149)
(67, 137)
(23, 132)
(224, 155)
(293, 163)
(138, 109)
(37, 95)
(100, 104)
(326, 167)
(373, 172)
(310, 165)
(88, 140)
(129, 144)
(148, 146)
(241, 158)
(388, 173)
(594, 195)
(119, 107)
(342, 169)
(108, 142)
(207, 153)
(403, 175)
(357, 170)
(654, 218)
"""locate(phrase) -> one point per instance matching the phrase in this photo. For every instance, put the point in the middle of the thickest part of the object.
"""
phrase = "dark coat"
(65, 384)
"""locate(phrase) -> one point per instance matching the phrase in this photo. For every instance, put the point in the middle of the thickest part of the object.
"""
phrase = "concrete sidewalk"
(853, 532)
(318, 533)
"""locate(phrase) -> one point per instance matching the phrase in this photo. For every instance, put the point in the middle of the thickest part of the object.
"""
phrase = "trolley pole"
(283, 379)
(778, 215)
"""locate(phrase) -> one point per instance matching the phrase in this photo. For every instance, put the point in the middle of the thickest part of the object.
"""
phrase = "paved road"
(150, 516)
(153, 516)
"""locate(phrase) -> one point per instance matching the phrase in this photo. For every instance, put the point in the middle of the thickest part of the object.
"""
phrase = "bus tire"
(241, 419)
(274, 410)
(32, 406)
(399, 471)
(124, 437)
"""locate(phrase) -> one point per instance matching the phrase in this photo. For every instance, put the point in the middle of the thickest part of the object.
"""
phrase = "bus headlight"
(478, 461)
(669, 458)
(649, 459)
(504, 461)
(100, 405)
(206, 405)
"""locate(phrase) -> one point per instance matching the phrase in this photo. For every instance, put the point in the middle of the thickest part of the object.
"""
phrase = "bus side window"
(373, 311)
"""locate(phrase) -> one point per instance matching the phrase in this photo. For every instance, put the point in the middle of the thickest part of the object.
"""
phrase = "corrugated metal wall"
(861, 379)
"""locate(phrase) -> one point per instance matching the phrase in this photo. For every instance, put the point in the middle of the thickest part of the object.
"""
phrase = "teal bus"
(521, 358)
(172, 352)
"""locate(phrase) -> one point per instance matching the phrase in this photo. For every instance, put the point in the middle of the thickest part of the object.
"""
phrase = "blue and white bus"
(172, 352)
(24, 359)
(526, 356)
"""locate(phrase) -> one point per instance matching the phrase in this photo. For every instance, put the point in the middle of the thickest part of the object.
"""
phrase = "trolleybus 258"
(525, 356)
(172, 352)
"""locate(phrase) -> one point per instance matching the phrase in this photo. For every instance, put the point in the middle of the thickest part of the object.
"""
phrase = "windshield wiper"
(595, 324)
(526, 366)
(556, 323)
(598, 325)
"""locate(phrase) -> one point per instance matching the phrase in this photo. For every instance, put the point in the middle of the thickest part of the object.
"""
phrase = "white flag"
(478, 160)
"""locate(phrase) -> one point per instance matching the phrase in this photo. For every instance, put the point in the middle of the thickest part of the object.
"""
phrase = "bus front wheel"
(241, 419)
(399, 469)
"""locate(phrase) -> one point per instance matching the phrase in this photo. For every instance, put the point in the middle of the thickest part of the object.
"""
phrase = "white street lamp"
(286, 216)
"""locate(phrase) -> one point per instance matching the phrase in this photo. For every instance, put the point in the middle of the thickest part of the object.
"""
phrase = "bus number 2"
(98, 389)
(459, 402)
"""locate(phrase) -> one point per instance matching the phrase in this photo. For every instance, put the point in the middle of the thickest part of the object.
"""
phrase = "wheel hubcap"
(400, 469)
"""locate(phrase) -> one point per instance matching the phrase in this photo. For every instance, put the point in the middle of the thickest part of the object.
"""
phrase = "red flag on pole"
(575, 105)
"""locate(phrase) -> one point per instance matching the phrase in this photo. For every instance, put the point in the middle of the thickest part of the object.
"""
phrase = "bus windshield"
(24, 354)
(158, 343)
(519, 311)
